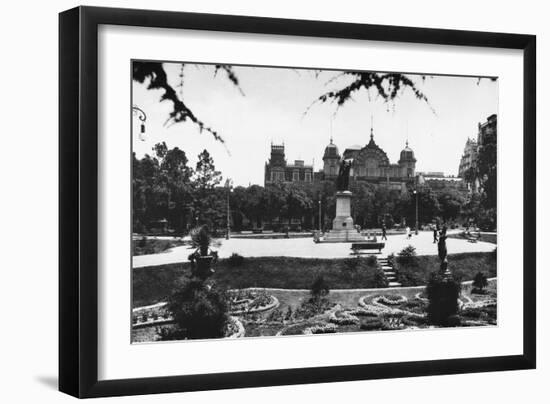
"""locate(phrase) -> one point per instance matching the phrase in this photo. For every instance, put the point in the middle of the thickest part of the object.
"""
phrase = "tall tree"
(176, 175)
(207, 207)
(206, 176)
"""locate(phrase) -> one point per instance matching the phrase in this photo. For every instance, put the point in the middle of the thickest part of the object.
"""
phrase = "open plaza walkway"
(306, 248)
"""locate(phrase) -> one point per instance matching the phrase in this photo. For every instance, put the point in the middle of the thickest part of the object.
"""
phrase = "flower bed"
(321, 329)
(389, 300)
(150, 315)
(235, 328)
(248, 302)
(421, 296)
(342, 317)
(362, 312)
(307, 327)
(377, 307)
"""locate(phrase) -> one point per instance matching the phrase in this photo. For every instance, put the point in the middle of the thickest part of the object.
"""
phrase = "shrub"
(493, 254)
(275, 316)
(319, 288)
(289, 314)
(391, 260)
(371, 323)
(372, 261)
(407, 257)
(198, 311)
(407, 276)
(379, 279)
(453, 321)
(480, 283)
(442, 295)
(488, 219)
(235, 260)
(416, 306)
(312, 307)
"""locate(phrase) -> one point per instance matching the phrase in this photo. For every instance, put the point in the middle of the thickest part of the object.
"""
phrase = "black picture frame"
(78, 196)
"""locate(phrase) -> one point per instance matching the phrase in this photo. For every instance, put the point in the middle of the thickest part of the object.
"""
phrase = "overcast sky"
(273, 109)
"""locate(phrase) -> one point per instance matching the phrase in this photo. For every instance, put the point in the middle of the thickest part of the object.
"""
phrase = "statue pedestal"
(342, 225)
(343, 220)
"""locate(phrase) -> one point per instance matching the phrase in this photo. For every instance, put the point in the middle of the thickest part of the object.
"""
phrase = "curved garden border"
(240, 332)
(274, 302)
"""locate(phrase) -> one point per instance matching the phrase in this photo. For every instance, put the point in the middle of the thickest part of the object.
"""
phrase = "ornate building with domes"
(370, 163)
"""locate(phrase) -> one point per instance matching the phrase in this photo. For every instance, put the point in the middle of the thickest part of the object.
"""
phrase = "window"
(308, 176)
(295, 176)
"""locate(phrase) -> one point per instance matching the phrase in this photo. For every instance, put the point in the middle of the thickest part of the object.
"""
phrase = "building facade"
(438, 181)
(469, 158)
(278, 170)
(370, 163)
(467, 169)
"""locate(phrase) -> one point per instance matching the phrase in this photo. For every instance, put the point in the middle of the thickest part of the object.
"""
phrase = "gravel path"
(306, 248)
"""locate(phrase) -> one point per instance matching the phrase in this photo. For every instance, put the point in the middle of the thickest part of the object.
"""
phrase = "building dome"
(331, 151)
(407, 154)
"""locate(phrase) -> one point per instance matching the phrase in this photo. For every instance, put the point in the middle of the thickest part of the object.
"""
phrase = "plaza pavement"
(306, 248)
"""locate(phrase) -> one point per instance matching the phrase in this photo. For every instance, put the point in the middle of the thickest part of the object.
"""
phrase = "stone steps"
(393, 284)
(389, 273)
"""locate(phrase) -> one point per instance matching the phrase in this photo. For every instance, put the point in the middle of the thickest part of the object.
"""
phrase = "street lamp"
(228, 185)
(142, 117)
(415, 192)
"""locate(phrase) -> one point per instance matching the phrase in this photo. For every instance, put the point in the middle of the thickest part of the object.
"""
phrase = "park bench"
(472, 238)
(367, 245)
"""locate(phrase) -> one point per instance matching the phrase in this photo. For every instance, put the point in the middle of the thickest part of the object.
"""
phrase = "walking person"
(435, 234)
(408, 232)
(384, 232)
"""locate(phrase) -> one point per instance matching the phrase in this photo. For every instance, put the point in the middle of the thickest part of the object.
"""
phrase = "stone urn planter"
(204, 266)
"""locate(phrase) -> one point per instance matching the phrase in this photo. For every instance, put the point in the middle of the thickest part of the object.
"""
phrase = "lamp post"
(142, 117)
(228, 184)
(415, 192)
(320, 226)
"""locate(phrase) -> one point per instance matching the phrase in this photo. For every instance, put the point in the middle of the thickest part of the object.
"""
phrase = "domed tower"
(331, 160)
(407, 162)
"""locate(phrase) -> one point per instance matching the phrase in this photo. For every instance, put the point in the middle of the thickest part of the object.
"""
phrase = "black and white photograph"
(271, 201)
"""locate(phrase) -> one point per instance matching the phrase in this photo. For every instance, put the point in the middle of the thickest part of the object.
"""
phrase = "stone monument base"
(342, 225)
(342, 236)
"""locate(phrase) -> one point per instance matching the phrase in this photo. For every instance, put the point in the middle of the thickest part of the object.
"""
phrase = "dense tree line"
(167, 190)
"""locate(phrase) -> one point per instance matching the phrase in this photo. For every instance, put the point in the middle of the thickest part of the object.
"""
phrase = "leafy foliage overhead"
(387, 85)
(158, 80)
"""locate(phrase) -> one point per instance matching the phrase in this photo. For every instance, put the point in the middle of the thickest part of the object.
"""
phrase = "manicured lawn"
(154, 284)
(153, 246)
(484, 237)
(465, 266)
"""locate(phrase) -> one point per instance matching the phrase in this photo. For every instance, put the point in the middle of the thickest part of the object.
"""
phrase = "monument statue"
(442, 248)
(343, 230)
(342, 182)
